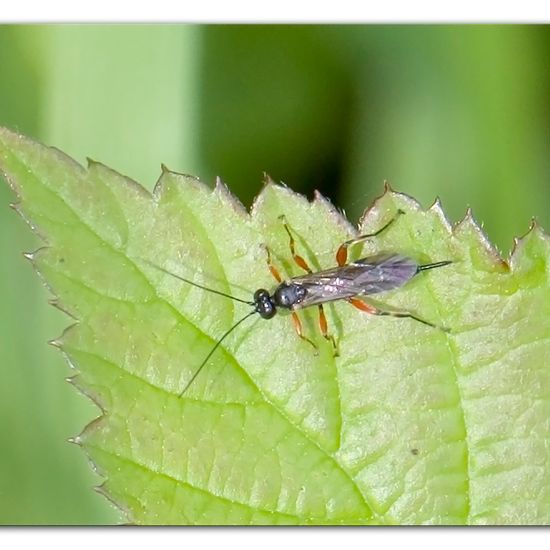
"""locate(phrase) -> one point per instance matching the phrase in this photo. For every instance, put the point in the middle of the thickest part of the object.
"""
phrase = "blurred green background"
(459, 112)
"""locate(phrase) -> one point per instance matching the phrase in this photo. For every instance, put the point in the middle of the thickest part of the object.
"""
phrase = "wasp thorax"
(287, 295)
(264, 305)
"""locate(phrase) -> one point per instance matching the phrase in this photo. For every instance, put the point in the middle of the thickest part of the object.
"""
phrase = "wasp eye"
(264, 305)
(261, 294)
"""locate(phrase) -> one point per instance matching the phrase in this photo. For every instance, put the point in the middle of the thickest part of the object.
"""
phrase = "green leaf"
(407, 425)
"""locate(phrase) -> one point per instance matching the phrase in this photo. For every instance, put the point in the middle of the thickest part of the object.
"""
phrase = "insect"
(346, 281)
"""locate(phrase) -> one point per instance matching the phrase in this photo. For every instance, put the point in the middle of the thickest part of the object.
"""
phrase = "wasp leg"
(368, 308)
(342, 252)
(323, 325)
(274, 271)
(299, 330)
(300, 262)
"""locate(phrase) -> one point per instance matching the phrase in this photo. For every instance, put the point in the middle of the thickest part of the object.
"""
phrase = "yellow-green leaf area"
(406, 425)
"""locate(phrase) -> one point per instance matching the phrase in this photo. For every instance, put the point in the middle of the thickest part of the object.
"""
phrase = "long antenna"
(214, 291)
(214, 349)
(433, 266)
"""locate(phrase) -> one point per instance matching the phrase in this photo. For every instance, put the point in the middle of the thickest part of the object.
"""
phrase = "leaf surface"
(407, 425)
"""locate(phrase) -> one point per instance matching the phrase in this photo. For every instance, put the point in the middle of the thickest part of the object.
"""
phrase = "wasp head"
(264, 304)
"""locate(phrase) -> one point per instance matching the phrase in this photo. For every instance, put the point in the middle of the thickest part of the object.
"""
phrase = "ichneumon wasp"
(346, 281)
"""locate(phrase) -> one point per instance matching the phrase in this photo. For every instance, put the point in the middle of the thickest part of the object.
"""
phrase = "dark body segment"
(366, 276)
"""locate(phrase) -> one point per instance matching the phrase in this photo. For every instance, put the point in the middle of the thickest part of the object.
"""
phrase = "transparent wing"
(369, 275)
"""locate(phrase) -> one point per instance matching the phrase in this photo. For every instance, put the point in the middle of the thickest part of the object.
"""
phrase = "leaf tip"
(267, 180)
(338, 215)
(318, 196)
(76, 440)
(535, 226)
(268, 184)
(229, 198)
(57, 304)
(399, 200)
(468, 224)
(437, 203)
(17, 207)
(535, 231)
(56, 343)
(437, 209)
(387, 187)
(221, 188)
(90, 162)
(104, 492)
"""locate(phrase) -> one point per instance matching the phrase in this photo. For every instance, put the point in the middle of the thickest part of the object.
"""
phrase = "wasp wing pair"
(371, 275)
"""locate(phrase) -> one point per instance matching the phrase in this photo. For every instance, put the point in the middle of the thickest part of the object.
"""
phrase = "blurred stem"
(483, 82)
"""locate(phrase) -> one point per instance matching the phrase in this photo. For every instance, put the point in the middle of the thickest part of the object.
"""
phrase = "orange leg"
(363, 306)
(299, 329)
(297, 323)
(368, 308)
(300, 262)
(323, 325)
(274, 271)
(342, 252)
